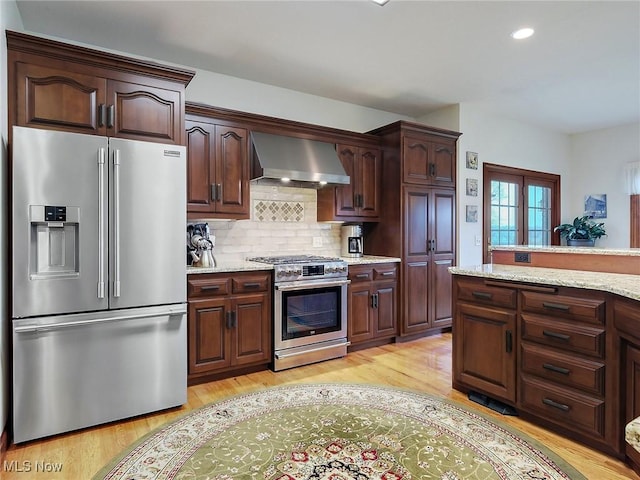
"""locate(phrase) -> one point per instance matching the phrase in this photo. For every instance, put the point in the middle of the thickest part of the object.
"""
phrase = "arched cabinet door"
(217, 169)
(141, 112)
(60, 100)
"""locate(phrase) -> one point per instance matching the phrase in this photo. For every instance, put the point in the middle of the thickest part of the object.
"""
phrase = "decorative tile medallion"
(278, 211)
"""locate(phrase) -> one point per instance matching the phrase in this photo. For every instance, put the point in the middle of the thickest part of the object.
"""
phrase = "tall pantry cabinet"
(417, 221)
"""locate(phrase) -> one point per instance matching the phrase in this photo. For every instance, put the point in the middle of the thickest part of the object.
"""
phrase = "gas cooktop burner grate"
(294, 259)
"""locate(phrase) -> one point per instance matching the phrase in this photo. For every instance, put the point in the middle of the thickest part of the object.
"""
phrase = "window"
(521, 207)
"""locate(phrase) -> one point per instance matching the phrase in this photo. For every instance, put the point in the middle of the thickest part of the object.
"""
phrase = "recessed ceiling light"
(380, 2)
(522, 33)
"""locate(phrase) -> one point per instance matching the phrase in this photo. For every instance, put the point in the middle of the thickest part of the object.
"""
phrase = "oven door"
(308, 312)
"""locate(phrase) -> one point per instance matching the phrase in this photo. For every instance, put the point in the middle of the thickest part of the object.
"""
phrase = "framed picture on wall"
(472, 187)
(472, 160)
(472, 214)
(595, 205)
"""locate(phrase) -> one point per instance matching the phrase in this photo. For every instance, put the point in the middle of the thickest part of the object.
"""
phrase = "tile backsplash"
(283, 221)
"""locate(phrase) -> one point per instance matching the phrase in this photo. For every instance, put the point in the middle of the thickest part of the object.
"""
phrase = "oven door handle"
(289, 287)
(280, 355)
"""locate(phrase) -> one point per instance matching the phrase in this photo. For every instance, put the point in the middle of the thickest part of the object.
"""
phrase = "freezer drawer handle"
(83, 323)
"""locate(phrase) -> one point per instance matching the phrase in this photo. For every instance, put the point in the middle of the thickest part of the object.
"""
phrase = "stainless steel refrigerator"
(99, 280)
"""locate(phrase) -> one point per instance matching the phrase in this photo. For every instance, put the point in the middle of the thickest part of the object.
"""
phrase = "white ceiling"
(579, 72)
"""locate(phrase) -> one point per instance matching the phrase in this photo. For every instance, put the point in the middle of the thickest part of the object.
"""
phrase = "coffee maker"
(352, 241)
(200, 245)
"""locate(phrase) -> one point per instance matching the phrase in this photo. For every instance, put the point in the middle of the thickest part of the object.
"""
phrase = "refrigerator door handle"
(101, 213)
(82, 323)
(116, 222)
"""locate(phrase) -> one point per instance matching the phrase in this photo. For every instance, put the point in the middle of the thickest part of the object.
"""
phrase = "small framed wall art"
(472, 160)
(472, 214)
(472, 187)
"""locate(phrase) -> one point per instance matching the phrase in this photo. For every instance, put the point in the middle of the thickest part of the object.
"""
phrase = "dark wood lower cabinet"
(565, 358)
(229, 323)
(372, 310)
(485, 357)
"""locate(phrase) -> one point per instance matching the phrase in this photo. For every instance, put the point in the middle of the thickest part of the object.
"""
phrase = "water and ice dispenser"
(54, 248)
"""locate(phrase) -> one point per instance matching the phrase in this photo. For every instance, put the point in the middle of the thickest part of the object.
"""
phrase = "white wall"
(598, 159)
(9, 19)
(501, 141)
(247, 96)
(447, 118)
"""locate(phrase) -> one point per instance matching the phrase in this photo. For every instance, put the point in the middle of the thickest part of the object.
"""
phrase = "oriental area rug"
(336, 432)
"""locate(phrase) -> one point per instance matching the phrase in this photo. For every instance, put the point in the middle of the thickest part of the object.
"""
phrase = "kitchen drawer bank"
(554, 344)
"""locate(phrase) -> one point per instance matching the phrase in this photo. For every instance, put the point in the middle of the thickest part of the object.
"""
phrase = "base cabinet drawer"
(572, 409)
(568, 370)
(565, 335)
(590, 310)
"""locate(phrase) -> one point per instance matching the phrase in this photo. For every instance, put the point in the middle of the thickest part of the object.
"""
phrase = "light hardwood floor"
(422, 365)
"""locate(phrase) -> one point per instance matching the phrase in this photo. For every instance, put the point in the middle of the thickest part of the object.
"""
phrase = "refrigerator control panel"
(55, 214)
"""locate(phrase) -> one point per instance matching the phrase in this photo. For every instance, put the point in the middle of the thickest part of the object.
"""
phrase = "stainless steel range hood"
(300, 162)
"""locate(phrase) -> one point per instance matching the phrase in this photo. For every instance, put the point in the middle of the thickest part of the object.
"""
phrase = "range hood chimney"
(291, 161)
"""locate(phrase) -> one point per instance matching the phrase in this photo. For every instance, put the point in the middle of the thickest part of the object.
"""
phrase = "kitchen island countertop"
(627, 252)
(626, 285)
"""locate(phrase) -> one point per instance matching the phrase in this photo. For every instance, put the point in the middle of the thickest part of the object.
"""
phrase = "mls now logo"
(29, 466)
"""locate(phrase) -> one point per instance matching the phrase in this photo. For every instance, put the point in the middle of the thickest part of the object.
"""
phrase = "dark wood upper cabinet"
(58, 86)
(141, 112)
(428, 161)
(360, 200)
(59, 100)
(217, 168)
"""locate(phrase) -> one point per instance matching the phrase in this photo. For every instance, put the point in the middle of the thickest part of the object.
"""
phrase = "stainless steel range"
(310, 309)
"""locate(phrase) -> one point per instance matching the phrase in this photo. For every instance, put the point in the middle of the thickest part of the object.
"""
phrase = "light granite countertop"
(223, 266)
(630, 252)
(367, 259)
(622, 284)
(230, 266)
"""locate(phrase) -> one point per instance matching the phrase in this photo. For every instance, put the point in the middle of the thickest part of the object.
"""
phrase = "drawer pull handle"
(553, 368)
(559, 406)
(484, 295)
(210, 287)
(251, 285)
(386, 274)
(509, 341)
(559, 336)
(556, 306)
(362, 275)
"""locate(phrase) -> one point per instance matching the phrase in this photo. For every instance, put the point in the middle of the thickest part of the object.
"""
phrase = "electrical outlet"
(478, 240)
(317, 241)
(522, 257)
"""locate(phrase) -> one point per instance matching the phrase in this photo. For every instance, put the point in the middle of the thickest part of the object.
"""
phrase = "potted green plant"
(582, 232)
